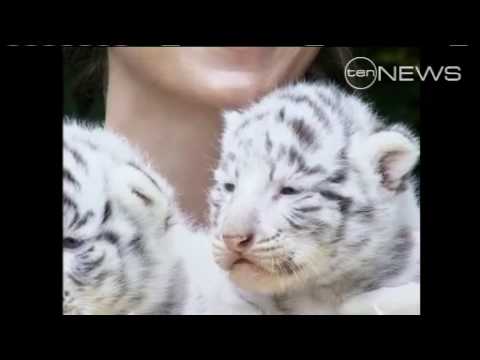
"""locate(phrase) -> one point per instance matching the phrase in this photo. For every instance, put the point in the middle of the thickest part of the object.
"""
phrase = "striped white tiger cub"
(314, 203)
(127, 249)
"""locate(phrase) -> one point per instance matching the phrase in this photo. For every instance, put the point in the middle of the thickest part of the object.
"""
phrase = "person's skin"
(169, 101)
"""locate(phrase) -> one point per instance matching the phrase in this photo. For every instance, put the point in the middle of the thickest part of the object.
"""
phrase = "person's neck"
(179, 136)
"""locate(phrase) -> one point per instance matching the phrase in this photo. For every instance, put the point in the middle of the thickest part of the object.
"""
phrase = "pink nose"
(238, 243)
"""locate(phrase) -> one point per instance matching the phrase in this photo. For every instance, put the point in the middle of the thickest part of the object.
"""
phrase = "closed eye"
(72, 243)
(287, 190)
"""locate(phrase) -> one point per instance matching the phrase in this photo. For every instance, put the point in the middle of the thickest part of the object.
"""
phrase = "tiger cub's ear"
(393, 153)
(147, 197)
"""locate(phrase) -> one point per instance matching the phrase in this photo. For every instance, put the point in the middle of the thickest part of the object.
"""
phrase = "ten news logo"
(361, 73)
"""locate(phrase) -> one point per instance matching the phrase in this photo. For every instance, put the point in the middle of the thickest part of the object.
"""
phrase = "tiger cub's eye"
(71, 243)
(229, 187)
(288, 191)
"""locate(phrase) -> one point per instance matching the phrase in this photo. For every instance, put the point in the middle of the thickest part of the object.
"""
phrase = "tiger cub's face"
(115, 216)
(296, 192)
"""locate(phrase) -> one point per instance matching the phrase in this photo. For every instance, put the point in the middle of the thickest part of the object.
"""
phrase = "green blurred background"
(396, 101)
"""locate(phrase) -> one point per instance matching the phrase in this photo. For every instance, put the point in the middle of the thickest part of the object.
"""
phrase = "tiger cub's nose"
(238, 243)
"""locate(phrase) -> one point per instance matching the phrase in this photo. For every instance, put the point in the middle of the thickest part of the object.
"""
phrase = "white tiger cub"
(314, 205)
(127, 249)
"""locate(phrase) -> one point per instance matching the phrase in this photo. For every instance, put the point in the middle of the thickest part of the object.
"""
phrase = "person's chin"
(234, 90)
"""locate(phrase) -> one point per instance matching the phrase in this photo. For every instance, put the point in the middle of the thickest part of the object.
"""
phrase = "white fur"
(110, 176)
(255, 205)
